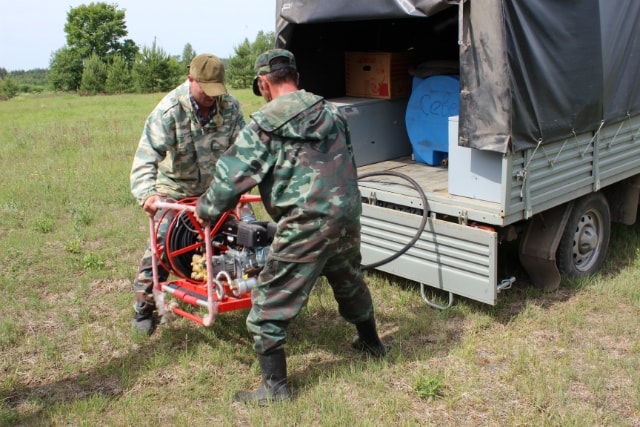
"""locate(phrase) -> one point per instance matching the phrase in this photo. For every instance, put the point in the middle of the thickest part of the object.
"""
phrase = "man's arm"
(152, 149)
(239, 169)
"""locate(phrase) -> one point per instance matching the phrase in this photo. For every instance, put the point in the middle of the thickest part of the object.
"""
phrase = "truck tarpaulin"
(531, 72)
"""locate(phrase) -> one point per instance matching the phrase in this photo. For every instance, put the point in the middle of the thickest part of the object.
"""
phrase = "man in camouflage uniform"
(181, 142)
(296, 149)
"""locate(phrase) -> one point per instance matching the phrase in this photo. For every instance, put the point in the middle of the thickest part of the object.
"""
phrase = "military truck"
(541, 121)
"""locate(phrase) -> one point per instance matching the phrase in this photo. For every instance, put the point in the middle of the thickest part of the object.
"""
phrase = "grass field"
(70, 239)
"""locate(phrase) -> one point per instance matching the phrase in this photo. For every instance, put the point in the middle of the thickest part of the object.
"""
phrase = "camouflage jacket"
(297, 149)
(176, 155)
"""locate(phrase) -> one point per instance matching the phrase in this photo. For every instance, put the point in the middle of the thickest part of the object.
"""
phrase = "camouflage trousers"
(143, 281)
(283, 289)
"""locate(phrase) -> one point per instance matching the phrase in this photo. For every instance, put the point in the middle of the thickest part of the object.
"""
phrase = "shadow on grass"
(116, 377)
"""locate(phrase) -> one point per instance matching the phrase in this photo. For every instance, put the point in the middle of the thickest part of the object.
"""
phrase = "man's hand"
(202, 222)
(149, 205)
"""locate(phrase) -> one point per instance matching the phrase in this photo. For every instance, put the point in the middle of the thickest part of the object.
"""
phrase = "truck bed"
(434, 182)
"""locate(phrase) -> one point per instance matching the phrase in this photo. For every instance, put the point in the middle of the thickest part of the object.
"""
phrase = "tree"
(240, 72)
(33, 78)
(65, 69)
(118, 76)
(264, 41)
(128, 52)
(99, 28)
(94, 75)
(155, 71)
(187, 55)
(95, 29)
(31, 81)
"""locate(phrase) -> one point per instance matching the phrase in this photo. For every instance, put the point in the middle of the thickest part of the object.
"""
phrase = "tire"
(583, 246)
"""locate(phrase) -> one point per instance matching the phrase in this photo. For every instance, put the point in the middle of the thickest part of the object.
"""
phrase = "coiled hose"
(183, 234)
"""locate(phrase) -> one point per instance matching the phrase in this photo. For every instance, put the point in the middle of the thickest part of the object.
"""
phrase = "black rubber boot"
(367, 339)
(144, 320)
(274, 381)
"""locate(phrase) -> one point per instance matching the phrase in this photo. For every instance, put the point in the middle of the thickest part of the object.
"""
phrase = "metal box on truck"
(377, 128)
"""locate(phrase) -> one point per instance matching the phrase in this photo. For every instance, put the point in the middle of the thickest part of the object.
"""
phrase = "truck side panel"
(618, 152)
(565, 170)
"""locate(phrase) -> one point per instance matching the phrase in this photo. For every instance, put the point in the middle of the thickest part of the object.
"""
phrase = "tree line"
(98, 58)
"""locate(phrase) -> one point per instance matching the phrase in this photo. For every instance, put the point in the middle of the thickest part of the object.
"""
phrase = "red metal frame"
(214, 293)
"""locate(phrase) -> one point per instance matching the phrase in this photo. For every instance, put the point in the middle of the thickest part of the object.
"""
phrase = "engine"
(244, 247)
(240, 251)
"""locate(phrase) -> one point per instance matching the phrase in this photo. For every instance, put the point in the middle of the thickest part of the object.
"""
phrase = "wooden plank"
(432, 179)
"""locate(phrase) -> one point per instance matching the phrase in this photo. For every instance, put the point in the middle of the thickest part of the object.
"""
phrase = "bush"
(8, 88)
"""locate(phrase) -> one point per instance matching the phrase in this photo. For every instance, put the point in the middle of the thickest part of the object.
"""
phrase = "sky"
(31, 30)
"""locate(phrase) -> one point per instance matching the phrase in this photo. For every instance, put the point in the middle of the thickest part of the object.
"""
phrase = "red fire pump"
(213, 267)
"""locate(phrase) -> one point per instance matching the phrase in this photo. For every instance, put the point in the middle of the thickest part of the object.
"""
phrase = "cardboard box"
(382, 75)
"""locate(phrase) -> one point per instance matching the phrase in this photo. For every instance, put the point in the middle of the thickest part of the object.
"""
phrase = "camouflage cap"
(208, 71)
(263, 64)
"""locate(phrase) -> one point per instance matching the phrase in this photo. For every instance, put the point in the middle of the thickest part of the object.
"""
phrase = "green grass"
(70, 239)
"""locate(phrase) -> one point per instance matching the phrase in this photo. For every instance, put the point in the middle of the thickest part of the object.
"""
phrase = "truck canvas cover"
(531, 72)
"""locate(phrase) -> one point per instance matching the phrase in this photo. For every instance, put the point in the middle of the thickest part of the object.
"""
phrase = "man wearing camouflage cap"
(180, 144)
(296, 149)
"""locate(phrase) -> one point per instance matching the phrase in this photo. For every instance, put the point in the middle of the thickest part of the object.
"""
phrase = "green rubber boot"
(274, 381)
(368, 340)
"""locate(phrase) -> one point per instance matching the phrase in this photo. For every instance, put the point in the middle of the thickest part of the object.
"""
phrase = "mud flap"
(623, 199)
(539, 244)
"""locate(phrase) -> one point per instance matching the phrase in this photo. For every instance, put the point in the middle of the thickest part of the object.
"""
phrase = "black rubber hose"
(182, 235)
(423, 223)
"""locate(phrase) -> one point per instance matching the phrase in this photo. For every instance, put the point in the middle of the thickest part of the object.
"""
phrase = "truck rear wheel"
(584, 242)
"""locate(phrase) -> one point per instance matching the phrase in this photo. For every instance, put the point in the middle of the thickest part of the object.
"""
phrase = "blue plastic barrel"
(433, 100)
